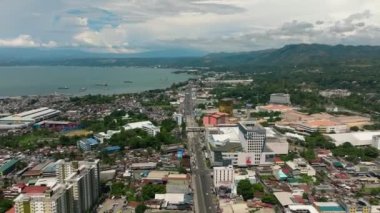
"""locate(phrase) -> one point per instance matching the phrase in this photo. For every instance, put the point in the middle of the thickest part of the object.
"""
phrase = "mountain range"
(289, 55)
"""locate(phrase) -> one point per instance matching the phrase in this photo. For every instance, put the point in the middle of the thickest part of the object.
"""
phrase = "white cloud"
(25, 41)
(112, 39)
(209, 25)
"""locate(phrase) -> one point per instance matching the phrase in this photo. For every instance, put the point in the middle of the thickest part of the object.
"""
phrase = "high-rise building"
(223, 176)
(82, 180)
(76, 190)
(252, 136)
(41, 199)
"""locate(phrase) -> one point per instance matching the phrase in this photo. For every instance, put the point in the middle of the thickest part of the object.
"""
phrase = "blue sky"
(134, 26)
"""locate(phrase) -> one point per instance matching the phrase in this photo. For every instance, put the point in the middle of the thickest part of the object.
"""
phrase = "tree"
(5, 205)
(305, 195)
(141, 208)
(269, 198)
(245, 189)
(354, 128)
(148, 191)
(118, 189)
(182, 170)
(257, 187)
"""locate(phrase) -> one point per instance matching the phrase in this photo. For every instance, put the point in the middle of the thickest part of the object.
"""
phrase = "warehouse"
(27, 118)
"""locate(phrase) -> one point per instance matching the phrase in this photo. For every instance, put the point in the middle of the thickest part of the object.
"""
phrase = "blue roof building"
(87, 144)
(8, 167)
(111, 149)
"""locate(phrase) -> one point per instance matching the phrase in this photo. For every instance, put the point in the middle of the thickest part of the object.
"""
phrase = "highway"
(203, 185)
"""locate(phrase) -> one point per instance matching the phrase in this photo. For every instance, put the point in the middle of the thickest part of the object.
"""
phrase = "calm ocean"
(72, 80)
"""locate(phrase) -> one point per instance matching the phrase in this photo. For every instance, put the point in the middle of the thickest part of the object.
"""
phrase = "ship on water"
(65, 87)
(102, 85)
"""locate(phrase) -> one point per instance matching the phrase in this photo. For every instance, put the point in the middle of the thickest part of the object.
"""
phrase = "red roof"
(21, 185)
(34, 189)
(342, 176)
(277, 159)
(298, 199)
(11, 210)
(133, 204)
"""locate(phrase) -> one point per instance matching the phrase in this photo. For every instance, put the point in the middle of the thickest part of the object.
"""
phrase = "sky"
(135, 26)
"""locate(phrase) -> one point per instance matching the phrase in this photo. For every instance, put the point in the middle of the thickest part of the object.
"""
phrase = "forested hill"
(289, 55)
(299, 54)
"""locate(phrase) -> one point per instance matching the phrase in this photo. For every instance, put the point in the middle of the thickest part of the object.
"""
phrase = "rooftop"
(34, 189)
(355, 138)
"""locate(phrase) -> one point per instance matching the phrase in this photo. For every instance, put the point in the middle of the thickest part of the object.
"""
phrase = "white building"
(144, 125)
(370, 138)
(45, 200)
(296, 208)
(300, 166)
(27, 118)
(223, 176)
(82, 180)
(105, 135)
(178, 117)
(376, 141)
(253, 137)
(279, 98)
(244, 145)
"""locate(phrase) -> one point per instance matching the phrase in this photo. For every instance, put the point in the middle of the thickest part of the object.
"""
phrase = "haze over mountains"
(295, 54)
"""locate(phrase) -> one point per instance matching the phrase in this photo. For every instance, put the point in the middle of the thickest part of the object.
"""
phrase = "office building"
(223, 176)
(252, 136)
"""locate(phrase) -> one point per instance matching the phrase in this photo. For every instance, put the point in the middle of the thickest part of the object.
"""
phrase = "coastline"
(35, 81)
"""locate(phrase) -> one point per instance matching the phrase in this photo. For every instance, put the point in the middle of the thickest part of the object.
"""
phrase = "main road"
(203, 186)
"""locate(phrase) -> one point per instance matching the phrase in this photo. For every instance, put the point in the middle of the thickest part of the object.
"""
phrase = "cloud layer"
(129, 26)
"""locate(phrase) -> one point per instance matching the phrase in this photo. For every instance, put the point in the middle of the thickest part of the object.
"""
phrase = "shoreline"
(79, 81)
(89, 94)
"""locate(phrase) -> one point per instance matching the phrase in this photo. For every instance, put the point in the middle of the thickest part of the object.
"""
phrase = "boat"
(102, 85)
(65, 87)
(128, 82)
(83, 89)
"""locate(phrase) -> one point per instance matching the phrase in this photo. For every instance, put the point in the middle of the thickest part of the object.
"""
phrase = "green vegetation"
(269, 198)
(168, 125)
(305, 179)
(309, 154)
(148, 191)
(92, 99)
(30, 141)
(138, 138)
(5, 205)
(355, 154)
(118, 189)
(141, 208)
(318, 140)
(246, 189)
(289, 157)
